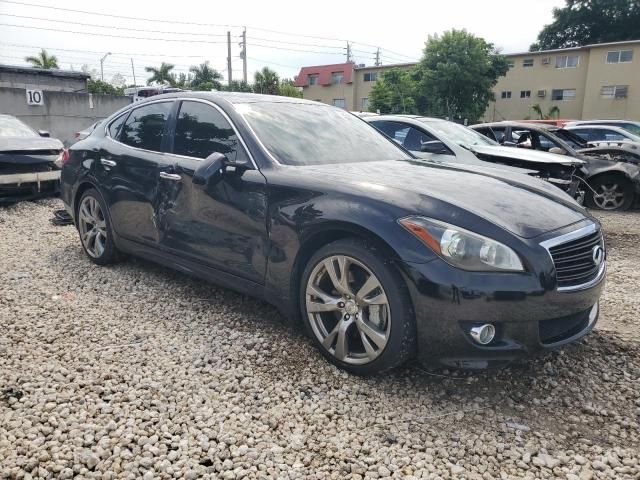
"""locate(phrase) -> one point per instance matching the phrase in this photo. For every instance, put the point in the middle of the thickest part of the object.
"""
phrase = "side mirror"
(557, 151)
(44, 133)
(212, 165)
(433, 146)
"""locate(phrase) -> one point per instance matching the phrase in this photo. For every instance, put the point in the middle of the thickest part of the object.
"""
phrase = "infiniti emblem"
(598, 255)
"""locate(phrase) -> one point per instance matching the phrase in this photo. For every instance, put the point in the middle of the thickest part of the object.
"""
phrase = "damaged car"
(30, 162)
(611, 171)
(383, 257)
(442, 140)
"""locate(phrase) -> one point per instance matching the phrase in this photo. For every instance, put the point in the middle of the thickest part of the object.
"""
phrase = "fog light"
(483, 334)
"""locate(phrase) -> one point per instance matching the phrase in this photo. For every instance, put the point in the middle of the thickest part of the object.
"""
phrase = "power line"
(108, 35)
(291, 49)
(295, 43)
(111, 26)
(273, 63)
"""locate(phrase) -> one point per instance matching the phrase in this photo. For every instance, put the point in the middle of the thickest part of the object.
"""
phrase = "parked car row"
(382, 254)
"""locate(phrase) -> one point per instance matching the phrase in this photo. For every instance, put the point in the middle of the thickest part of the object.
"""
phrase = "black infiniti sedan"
(383, 257)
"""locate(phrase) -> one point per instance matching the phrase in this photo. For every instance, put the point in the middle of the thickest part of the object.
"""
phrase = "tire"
(366, 324)
(612, 192)
(94, 228)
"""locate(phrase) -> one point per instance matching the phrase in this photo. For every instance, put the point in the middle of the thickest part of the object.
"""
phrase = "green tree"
(161, 75)
(205, 77)
(43, 60)
(456, 75)
(183, 80)
(99, 87)
(288, 89)
(266, 81)
(582, 22)
(393, 92)
(238, 86)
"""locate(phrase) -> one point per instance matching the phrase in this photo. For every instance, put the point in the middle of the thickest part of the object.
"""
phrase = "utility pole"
(243, 54)
(102, 65)
(378, 57)
(229, 69)
(348, 52)
(133, 70)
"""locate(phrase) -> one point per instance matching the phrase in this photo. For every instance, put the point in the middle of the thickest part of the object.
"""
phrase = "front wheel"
(610, 192)
(356, 307)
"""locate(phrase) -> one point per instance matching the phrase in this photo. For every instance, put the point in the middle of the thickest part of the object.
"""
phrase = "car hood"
(20, 144)
(525, 206)
(525, 155)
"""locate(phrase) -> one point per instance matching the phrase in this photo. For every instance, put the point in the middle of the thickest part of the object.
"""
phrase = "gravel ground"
(135, 371)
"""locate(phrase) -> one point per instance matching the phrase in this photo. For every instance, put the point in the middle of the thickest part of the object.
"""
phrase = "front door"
(129, 164)
(221, 224)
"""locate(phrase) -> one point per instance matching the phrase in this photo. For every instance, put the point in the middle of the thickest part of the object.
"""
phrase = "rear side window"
(202, 130)
(114, 128)
(145, 125)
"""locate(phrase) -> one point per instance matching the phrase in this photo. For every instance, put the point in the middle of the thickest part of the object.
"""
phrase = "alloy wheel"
(609, 196)
(92, 226)
(348, 309)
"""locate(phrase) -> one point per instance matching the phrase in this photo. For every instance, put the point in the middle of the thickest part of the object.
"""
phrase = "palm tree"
(205, 76)
(537, 110)
(266, 81)
(161, 75)
(43, 60)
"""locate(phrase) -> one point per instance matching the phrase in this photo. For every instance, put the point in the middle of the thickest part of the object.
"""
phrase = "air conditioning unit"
(542, 93)
(546, 61)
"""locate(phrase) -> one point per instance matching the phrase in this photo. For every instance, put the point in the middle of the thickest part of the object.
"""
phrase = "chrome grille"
(574, 260)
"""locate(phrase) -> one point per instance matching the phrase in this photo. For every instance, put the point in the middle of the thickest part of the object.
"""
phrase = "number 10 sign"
(35, 97)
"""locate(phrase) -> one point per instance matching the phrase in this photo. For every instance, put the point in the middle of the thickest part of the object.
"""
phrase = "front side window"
(313, 79)
(145, 125)
(312, 134)
(339, 102)
(527, 62)
(336, 77)
(563, 94)
(620, 56)
(202, 130)
(567, 61)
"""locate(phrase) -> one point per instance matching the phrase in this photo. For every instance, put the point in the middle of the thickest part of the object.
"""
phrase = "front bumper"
(21, 186)
(529, 318)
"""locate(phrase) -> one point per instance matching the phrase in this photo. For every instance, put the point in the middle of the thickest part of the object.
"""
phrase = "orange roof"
(324, 73)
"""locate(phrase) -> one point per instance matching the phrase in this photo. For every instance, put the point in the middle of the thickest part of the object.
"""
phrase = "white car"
(599, 135)
(629, 125)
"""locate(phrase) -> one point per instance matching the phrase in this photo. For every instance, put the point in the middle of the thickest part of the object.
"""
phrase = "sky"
(283, 35)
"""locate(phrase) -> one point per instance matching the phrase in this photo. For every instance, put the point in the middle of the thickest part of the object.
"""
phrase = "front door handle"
(170, 176)
(107, 163)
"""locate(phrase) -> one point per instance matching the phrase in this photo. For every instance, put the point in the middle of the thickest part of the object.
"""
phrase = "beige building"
(592, 82)
(344, 85)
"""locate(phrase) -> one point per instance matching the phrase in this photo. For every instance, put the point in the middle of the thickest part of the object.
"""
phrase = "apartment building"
(344, 85)
(595, 81)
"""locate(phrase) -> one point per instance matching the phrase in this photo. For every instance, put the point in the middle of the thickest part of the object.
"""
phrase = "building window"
(527, 62)
(510, 64)
(563, 94)
(505, 94)
(620, 56)
(567, 61)
(370, 76)
(365, 104)
(525, 93)
(339, 102)
(313, 79)
(336, 77)
(615, 91)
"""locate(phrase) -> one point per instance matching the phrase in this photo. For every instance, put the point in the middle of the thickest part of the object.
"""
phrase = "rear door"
(222, 224)
(129, 169)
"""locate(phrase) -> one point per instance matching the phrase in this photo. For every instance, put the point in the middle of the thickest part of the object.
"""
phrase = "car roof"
(507, 123)
(234, 98)
(602, 122)
(404, 117)
(599, 127)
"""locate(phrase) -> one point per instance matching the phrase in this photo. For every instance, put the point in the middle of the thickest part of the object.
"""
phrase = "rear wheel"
(94, 228)
(610, 192)
(356, 307)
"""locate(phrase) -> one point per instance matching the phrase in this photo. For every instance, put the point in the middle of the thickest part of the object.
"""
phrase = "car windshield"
(12, 127)
(631, 127)
(571, 138)
(308, 134)
(459, 134)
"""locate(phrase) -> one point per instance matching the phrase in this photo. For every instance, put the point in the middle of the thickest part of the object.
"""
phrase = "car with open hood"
(442, 140)
(383, 257)
(611, 171)
(30, 161)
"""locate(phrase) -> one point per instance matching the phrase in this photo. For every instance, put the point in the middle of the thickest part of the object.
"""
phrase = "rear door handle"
(107, 163)
(170, 176)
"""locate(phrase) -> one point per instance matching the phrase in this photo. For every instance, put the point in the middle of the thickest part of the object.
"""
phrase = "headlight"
(462, 248)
